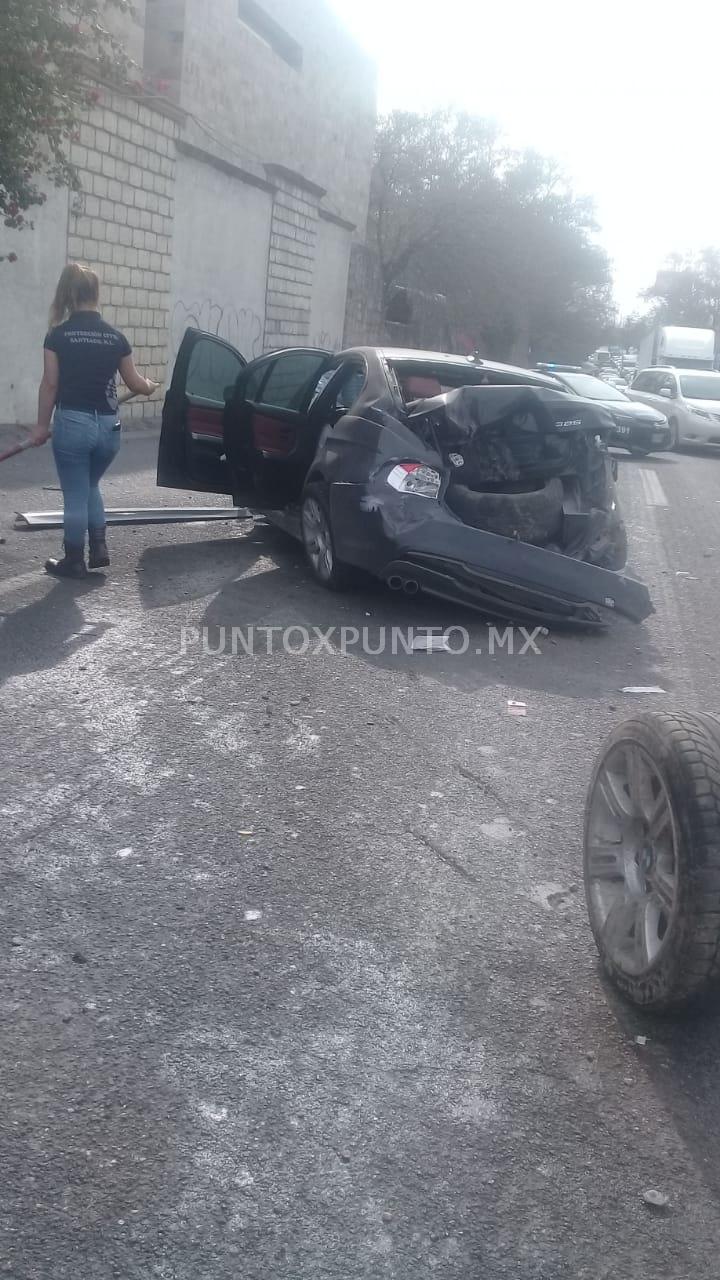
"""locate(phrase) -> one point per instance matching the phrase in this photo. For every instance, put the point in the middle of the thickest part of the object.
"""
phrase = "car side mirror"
(666, 393)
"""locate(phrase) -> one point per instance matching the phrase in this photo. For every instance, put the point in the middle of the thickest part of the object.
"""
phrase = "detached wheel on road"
(319, 542)
(652, 857)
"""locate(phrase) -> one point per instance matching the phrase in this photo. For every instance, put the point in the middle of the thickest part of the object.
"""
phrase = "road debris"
(135, 515)
(683, 573)
(252, 915)
(655, 1199)
(431, 644)
(641, 1040)
(642, 688)
(516, 708)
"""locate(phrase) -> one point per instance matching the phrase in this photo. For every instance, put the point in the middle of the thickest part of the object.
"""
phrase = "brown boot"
(72, 564)
(99, 557)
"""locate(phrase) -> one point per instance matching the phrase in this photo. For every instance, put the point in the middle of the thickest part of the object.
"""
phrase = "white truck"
(677, 345)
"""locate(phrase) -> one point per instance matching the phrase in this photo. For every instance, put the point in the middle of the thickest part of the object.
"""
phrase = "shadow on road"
(261, 580)
(41, 635)
(680, 1065)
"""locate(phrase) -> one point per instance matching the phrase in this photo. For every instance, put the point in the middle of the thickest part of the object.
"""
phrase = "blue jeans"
(84, 445)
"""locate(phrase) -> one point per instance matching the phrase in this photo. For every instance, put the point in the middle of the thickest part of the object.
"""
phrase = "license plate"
(622, 431)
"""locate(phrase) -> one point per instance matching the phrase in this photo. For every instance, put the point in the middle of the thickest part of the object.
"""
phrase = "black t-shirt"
(89, 352)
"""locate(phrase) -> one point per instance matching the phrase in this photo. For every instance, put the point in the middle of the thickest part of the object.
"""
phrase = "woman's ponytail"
(77, 287)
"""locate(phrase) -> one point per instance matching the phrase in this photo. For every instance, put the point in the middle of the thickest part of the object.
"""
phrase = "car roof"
(410, 356)
(675, 368)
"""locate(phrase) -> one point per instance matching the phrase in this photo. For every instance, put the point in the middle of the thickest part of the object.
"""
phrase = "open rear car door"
(270, 437)
(192, 449)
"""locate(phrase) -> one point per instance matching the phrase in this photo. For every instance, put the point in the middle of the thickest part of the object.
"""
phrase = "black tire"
(536, 515)
(684, 749)
(326, 569)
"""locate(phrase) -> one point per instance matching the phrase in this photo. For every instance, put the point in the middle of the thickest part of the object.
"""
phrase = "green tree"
(687, 290)
(50, 54)
(455, 212)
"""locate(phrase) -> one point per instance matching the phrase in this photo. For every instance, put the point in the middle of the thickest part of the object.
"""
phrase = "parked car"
(479, 483)
(689, 397)
(613, 377)
(638, 428)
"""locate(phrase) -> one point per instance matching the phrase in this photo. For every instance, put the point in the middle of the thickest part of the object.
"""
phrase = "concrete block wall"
(317, 118)
(291, 264)
(121, 223)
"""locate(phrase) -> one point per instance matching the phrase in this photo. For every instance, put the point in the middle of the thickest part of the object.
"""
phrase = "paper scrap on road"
(683, 573)
(253, 915)
(431, 644)
(516, 708)
(642, 688)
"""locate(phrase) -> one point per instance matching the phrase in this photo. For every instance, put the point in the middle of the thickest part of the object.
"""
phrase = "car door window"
(348, 380)
(213, 370)
(289, 378)
(644, 382)
(254, 381)
(350, 388)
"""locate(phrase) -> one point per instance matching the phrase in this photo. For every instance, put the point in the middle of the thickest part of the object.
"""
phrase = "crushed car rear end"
(500, 497)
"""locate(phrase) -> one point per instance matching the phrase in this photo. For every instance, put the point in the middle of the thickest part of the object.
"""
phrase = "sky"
(626, 96)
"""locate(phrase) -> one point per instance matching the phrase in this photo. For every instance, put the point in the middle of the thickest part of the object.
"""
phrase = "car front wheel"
(319, 543)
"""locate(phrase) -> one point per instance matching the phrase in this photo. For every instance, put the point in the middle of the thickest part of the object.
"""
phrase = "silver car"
(689, 397)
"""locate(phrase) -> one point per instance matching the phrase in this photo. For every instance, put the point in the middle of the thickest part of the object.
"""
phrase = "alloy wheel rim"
(318, 539)
(631, 864)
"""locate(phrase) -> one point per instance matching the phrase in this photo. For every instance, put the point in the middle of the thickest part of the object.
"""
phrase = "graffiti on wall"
(241, 327)
(325, 342)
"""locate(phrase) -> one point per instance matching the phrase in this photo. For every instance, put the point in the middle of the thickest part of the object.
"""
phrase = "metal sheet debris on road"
(135, 515)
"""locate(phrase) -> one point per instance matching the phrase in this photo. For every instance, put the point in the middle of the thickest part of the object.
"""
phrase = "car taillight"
(415, 477)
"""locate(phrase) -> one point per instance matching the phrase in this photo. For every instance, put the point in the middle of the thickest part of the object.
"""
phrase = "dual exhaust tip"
(408, 585)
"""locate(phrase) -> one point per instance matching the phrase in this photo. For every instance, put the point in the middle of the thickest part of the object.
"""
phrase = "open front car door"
(192, 450)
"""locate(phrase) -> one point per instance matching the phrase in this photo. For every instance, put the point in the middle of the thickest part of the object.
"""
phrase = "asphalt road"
(298, 976)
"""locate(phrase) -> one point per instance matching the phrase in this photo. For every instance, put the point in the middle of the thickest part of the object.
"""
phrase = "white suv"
(690, 398)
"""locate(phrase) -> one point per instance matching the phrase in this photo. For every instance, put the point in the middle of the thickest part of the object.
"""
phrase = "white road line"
(652, 488)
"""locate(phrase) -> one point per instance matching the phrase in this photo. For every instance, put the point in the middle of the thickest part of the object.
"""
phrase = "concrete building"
(226, 193)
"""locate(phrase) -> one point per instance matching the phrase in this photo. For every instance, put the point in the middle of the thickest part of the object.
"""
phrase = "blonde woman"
(83, 354)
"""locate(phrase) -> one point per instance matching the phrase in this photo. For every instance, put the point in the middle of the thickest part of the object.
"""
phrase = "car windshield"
(701, 387)
(583, 384)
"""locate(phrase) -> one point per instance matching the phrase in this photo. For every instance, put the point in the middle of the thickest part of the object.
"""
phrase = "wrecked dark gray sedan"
(479, 483)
